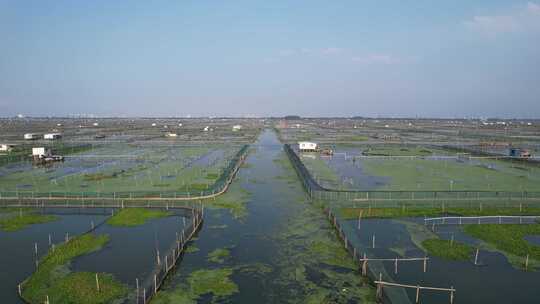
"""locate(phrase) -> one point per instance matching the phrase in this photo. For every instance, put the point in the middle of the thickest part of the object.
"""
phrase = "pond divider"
(163, 268)
(478, 220)
(418, 288)
(219, 187)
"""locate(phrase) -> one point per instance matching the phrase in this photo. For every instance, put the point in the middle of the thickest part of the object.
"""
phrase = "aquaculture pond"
(437, 170)
(132, 249)
(264, 242)
(498, 277)
(17, 255)
(120, 167)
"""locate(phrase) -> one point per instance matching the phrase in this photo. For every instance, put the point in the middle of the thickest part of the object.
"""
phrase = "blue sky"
(314, 58)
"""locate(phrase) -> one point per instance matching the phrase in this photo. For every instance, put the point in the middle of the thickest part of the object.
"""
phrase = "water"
(270, 237)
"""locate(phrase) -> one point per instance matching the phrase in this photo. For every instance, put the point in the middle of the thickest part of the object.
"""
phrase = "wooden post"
(166, 264)
(373, 241)
(425, 264)
(92, 225)
(157, 257)
(417, 293)
(137, 284)
(97, 282)
(364, 266)
(476, 257)
(379, 287)
(360, 218)
(20, 290)
(452, 295)
(527, 262)
(50, 240)
(395, 266)
(144, 295)
(452, 240)
(155, 284)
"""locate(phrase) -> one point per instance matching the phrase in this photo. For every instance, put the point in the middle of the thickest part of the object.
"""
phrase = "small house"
(236, 128)
(170, 134)
(52, 136)
(306, 146)
(41, 152)
(521, 153)
(6, 147)
(30, 136)
(96, 124)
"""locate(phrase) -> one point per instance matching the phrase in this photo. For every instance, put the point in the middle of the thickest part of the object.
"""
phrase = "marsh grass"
(508, 238)
(353, 213)
(17, 221)
(61, 286)
(129, 217)
(447, 250)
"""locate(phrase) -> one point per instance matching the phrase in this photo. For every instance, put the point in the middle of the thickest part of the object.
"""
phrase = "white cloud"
(533, 8)
(524, 18)
(376, 59)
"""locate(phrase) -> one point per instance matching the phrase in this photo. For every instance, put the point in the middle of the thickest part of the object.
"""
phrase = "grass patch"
(446, 250)
(18, 222)
(507, 238)
(136, 216)
(353, 213)
(54, 280)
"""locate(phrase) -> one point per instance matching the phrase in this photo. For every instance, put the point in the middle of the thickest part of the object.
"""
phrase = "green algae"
(214, 282)
(234, 200)
(219, 255)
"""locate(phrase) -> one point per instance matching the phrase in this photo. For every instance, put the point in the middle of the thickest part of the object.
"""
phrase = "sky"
(425, 58)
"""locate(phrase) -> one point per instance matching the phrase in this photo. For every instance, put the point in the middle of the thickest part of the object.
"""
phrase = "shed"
(30, 136)
(52, 136)
(306, 146)
(41, 152)
(6, 147)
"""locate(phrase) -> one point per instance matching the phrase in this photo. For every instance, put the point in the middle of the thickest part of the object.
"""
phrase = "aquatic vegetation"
(508, 238)
(445, 175)
(192, 249)
(214, 282)
(448, 250)
(54, 280)
(219, 255)
(136, 216)
(17, 221)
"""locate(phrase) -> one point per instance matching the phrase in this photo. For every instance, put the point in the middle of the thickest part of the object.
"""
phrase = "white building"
(206, 129)
(52, 136)
(6, 147)
(237, 128)
(41, 152)
(306, 146)
(154, 124)
(30, 136)
(170, 134)
(96, 124)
